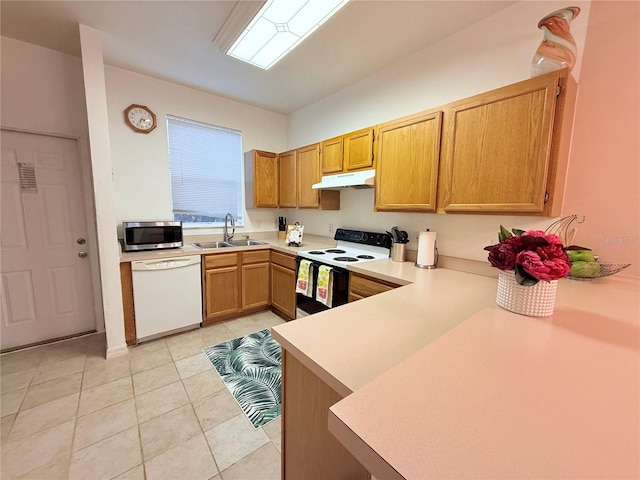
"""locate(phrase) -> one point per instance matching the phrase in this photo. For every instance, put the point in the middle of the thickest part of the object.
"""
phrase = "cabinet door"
(496, 149)
(308, 174)
(408, 152)
(221, 293)
(361, 286)
(358, 150)
(287, 179)
(283, 290)
(331, 153)
(255, 286)
(265, 186)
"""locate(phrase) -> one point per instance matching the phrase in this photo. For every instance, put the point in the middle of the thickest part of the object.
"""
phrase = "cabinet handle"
(82, 254)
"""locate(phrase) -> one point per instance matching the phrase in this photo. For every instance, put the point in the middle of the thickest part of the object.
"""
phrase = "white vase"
(558, 48)
(537, 300)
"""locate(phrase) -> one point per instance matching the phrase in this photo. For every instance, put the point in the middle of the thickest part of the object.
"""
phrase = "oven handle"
(316, 264)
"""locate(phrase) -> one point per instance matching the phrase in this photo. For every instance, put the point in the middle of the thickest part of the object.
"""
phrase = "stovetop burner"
(345, 259)
(353, 246)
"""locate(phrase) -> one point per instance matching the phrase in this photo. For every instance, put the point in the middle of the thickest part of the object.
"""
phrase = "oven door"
(309, 305)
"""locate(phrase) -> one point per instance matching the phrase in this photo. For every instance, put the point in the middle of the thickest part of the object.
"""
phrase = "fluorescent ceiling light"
(279, 27)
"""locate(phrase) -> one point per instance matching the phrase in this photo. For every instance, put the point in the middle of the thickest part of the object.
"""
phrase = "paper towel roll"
(427, 251)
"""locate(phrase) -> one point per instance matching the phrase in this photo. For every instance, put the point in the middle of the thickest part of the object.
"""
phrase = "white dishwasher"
(167, 295)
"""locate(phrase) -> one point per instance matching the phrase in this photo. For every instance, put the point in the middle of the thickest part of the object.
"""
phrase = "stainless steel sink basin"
(204, 245)
(232, 243)
(244, 243)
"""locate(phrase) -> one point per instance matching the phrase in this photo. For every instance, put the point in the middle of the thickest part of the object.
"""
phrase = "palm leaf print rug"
(251, 368)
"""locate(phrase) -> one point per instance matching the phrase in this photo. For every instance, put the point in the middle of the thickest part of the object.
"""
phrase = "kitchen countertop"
(448, 385)
(309, 243)
(352, 345)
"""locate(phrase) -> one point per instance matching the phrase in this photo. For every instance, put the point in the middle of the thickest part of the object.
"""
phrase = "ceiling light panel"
(279, 27)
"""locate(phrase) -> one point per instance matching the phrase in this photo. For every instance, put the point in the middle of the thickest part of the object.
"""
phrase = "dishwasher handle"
(165, 263)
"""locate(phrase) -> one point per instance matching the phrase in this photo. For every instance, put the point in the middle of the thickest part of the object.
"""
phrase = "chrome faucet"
(226, 236)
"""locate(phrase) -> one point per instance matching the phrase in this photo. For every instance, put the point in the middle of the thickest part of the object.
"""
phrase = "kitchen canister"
(399, 252)
(427, 250)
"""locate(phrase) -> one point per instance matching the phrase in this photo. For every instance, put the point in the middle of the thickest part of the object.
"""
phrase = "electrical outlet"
(331, 228)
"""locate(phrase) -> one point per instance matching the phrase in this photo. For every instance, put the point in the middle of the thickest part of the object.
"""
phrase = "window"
(205, 162)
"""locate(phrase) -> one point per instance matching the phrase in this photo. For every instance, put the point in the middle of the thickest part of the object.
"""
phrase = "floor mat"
(251, 368)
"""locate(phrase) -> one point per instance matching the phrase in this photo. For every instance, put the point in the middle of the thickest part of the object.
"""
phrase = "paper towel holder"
(435, 259)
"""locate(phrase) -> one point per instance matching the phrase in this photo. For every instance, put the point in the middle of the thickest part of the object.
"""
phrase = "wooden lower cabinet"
(221, 293)
(255, 281)
(361, 286)
(309, 450)
(283, 284)
(235, 284)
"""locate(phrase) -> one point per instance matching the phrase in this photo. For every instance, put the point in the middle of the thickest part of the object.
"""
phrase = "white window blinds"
(206, 172)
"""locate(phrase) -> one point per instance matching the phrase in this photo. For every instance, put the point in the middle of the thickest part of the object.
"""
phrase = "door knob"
(81, 241)
(82, 254)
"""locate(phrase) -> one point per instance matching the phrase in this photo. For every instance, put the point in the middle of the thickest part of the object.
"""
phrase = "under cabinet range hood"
(361, 179)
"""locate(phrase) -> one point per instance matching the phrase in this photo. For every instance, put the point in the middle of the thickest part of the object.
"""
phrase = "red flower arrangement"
(533, 255)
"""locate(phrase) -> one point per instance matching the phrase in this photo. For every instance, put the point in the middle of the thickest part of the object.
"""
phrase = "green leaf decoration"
(503, 234)
(517, 231)
(251, 368)
(523, 278)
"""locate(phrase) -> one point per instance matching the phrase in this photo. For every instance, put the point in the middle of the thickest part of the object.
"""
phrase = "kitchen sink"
(244, 243)
(219, 244)
(231, 243)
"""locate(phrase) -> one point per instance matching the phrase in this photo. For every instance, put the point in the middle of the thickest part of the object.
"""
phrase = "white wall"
(140, 161)
(492, 53)
(94, 87)
(42, 90)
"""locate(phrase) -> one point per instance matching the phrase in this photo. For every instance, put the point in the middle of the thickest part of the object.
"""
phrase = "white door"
(47, 287)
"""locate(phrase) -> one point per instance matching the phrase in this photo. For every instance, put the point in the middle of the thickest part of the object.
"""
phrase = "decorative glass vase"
(558, 48)
(537, 300)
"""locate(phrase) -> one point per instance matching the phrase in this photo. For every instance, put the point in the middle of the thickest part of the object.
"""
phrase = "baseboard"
(118, 351)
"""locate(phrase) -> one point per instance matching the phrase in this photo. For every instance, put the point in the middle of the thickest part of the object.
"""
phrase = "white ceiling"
(173, 40)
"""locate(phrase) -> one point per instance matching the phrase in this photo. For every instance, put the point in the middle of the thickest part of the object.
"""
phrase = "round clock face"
(140, 118)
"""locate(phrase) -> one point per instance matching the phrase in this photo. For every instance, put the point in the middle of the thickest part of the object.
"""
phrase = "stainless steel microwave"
(151, 235)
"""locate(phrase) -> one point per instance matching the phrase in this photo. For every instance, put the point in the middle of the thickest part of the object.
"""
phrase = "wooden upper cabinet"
(358, 150)
(408, 151)
(500, 148)
(332, 156)
(261, 179)
(347, 153)
(308, 172)
(287, 179)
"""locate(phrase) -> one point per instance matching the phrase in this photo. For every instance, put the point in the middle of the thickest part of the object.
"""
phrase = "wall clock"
(140, 118)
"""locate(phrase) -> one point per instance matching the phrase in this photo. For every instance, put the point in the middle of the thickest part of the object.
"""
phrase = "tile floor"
(160, 412)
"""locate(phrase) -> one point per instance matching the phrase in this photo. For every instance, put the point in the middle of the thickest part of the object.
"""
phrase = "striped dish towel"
(324, 292)
(304, 283)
